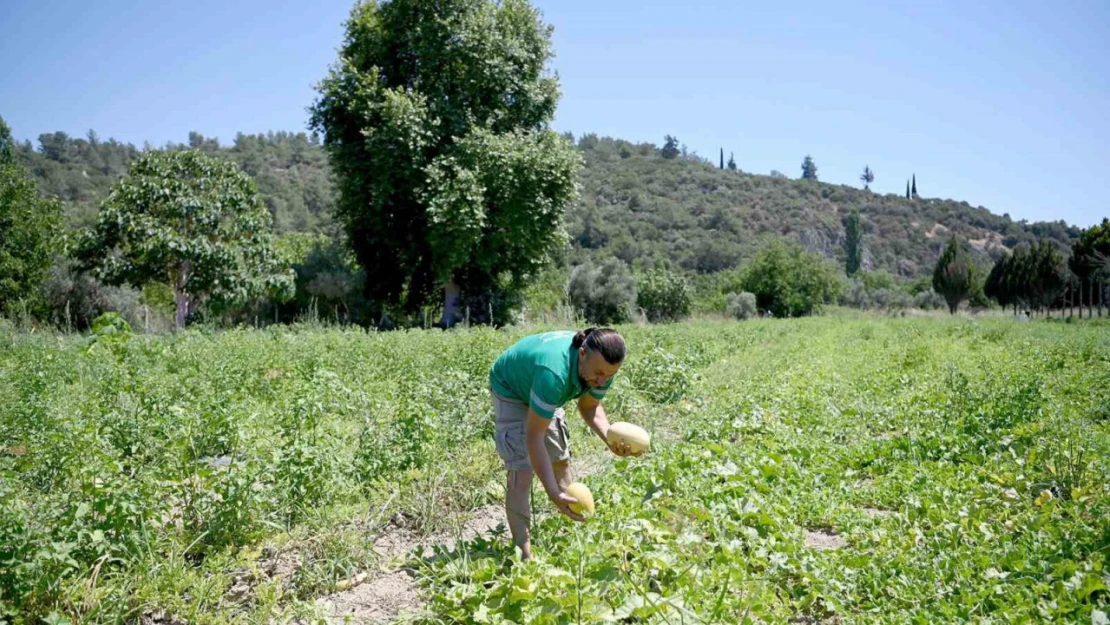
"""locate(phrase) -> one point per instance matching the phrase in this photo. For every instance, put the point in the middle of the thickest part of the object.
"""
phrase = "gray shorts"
(509, 434)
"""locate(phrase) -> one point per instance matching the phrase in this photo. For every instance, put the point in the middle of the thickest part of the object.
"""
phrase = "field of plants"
(841, 469)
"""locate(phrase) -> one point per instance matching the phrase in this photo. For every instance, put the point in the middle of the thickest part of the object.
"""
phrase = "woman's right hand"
(562, 501)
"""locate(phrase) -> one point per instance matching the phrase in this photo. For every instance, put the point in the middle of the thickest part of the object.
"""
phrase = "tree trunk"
(1100, 289)
(1080, 298)
(181, 297)
(450, 305)
(1090, 298)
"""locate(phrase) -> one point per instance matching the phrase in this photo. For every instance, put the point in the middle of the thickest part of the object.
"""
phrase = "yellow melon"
(623, 432)
(585, 505)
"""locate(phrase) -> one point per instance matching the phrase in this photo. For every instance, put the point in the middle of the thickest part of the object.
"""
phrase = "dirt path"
(392, 593)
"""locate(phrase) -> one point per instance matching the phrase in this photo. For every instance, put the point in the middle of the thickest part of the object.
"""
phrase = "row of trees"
(1036, 277)
(731, 161)
(809, 172)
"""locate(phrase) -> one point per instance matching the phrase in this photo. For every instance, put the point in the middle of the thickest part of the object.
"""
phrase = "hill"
(291, 170)
(635, 204)
(639, 206)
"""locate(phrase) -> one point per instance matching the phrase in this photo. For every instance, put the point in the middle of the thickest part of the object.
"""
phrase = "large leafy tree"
(436, 121)
(190, 220)
(790, 282)
(7, 143)
(954, 275)
(28, 224)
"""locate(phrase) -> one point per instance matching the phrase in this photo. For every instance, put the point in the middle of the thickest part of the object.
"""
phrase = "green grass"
(764, 430)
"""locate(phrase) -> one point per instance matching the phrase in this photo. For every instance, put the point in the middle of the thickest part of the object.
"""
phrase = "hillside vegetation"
(290, 168)
(635, 204)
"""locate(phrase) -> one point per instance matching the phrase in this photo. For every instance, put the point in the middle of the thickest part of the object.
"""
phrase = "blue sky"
(1001, 104)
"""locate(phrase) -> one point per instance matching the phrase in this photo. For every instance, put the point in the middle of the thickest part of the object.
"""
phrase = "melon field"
(841, 469)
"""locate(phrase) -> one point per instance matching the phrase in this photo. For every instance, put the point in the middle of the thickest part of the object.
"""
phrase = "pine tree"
(1049, 274)
(914, 191)
(853, 243)
(809, 168)
(722, 158)
(954, 275)
(867, 177)
(731, 162)
(907, 189)
(670, 148)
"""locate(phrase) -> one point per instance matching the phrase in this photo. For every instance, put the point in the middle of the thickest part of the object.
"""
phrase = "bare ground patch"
(824, 539)
(381, 600)
(159, 617)
(382, 596)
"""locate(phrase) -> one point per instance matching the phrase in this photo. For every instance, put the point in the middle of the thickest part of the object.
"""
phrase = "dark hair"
(605, 341)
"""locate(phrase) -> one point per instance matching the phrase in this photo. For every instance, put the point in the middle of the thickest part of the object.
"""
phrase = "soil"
(386, 595)
(392, 593)
(877, 512)
(824, 539)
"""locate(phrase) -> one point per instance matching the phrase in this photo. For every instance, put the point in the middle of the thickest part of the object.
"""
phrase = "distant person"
(529, 384)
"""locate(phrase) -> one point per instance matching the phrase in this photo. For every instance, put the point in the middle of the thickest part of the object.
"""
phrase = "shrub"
(547, 292)
(869, 295)
(603, 293)
(929, 300)
(741, 305)
(74, 299)
(664, 295)
(790, 282)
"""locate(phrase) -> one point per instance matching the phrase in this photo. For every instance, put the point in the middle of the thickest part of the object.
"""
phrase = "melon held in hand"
(585, 504)
(633, 435)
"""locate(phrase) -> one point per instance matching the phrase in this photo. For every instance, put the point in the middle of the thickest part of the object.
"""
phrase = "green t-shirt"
(542, 371)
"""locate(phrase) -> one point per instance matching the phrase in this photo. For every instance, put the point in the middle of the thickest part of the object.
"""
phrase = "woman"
(529, 383)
